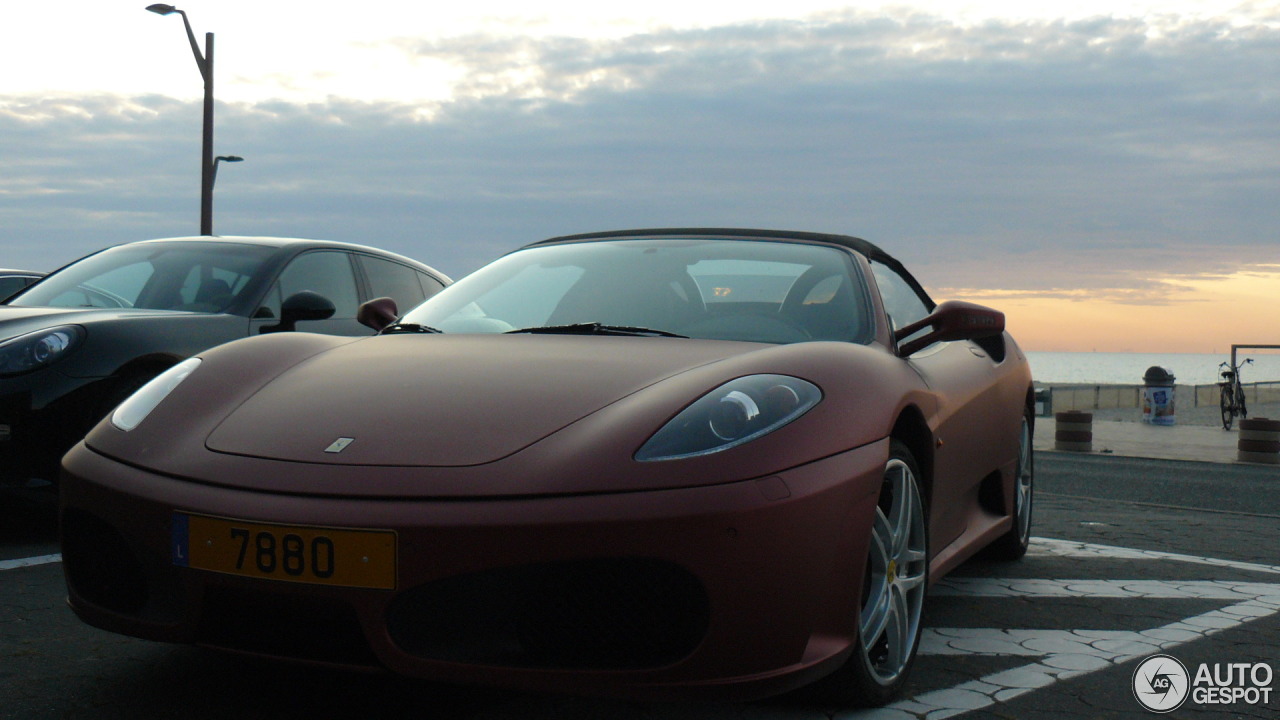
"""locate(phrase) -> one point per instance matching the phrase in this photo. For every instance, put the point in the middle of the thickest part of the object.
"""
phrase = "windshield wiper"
(394, 328)
(594, 328)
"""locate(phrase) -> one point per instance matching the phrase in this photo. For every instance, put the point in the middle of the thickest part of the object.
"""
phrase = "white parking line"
(1071, 653)
(28, 562)
(1163, 589)
(1071, 548)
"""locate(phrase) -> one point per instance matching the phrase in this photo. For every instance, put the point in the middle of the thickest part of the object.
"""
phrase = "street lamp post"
(205, 62)
(221, 158)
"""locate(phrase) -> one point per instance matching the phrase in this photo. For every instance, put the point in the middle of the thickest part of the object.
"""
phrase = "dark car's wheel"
(1013, 544)
(893, 592)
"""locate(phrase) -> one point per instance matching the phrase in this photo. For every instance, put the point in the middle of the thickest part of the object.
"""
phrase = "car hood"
(15, 319)
(446, 401)
(118, 336)
(13, 313)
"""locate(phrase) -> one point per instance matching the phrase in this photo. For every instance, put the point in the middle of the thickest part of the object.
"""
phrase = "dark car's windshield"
(189, 276)
(759, 291)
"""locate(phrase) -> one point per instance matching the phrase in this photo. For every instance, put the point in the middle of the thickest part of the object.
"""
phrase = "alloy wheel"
(897, 570)
(1022, 487)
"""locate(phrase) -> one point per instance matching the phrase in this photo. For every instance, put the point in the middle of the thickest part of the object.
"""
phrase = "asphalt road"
(1253, 489)
(1133, 558)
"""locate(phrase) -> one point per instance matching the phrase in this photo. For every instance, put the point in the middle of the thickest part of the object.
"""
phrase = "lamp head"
(161, 9)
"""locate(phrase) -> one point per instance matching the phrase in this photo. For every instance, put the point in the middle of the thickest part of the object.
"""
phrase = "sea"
(1101, 368)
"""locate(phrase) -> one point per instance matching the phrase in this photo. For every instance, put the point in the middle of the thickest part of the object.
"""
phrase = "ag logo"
(1161, 683)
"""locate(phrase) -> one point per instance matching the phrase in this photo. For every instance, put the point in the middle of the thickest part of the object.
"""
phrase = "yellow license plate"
(292, 553)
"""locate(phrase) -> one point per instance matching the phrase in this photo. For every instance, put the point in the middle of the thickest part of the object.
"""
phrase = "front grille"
(99, 564)
(284, 626)
(604, 614)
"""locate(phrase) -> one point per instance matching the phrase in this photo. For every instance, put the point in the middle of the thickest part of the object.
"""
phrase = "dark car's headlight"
(734, 413)
(139, 405)
(37, 349)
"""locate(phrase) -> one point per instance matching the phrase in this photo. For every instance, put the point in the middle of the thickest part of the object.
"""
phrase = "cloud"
(1021, 156)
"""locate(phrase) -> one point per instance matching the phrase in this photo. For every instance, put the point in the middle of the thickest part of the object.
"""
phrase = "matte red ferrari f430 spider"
(647, 464)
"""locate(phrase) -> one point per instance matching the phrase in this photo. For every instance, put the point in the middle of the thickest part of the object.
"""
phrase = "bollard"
(1259, 441)
(1073, 431)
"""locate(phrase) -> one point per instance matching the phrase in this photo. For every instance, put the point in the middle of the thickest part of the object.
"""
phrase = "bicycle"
(1232, 401)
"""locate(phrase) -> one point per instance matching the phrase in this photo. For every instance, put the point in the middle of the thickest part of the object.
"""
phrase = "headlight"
(734, 413)
(35, 350)
(139, 405)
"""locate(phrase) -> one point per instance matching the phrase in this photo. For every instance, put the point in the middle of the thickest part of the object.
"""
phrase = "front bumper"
(737, 590)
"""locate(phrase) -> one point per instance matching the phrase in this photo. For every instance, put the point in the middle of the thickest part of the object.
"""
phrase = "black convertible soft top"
(868, 249)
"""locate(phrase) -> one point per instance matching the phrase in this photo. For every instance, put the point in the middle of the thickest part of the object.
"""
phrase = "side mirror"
(952, 320)
(378, 313)
(305, 305)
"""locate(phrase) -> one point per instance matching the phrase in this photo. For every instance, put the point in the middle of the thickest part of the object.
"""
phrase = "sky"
(1106, 173)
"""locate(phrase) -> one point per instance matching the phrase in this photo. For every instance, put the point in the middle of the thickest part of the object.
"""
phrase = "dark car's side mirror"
(378, 313)
(305, 305)
(952, 320)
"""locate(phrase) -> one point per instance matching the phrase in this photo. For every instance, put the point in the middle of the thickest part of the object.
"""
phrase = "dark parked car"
(638, 464)
(11, 281)
(79, 341)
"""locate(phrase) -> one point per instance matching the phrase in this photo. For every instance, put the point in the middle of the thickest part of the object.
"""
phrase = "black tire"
(1228, 412)
(893, 593)
(1013, 544)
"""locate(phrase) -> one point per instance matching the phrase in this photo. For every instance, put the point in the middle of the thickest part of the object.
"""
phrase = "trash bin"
(1158, 396)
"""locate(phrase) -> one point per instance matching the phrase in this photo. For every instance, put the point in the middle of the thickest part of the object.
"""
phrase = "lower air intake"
(602, 614)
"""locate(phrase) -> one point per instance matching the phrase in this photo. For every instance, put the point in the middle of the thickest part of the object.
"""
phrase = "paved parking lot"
(1109, 583)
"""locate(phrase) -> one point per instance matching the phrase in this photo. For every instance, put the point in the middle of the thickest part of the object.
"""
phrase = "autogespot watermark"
(1162, 684)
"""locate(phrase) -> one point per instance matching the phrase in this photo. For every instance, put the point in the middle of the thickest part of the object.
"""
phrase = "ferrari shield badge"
(339, 445)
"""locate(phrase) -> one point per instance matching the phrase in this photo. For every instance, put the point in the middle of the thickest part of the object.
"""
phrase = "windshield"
(758, 291)
(191, 276)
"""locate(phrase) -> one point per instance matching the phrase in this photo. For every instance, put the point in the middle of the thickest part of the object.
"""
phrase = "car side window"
(401, 283)
(11, 284)
(902, 302)
(325, 272)
(207, 288)
(430, 285)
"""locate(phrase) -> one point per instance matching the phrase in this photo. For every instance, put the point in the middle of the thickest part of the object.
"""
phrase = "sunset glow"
(1199, 315)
